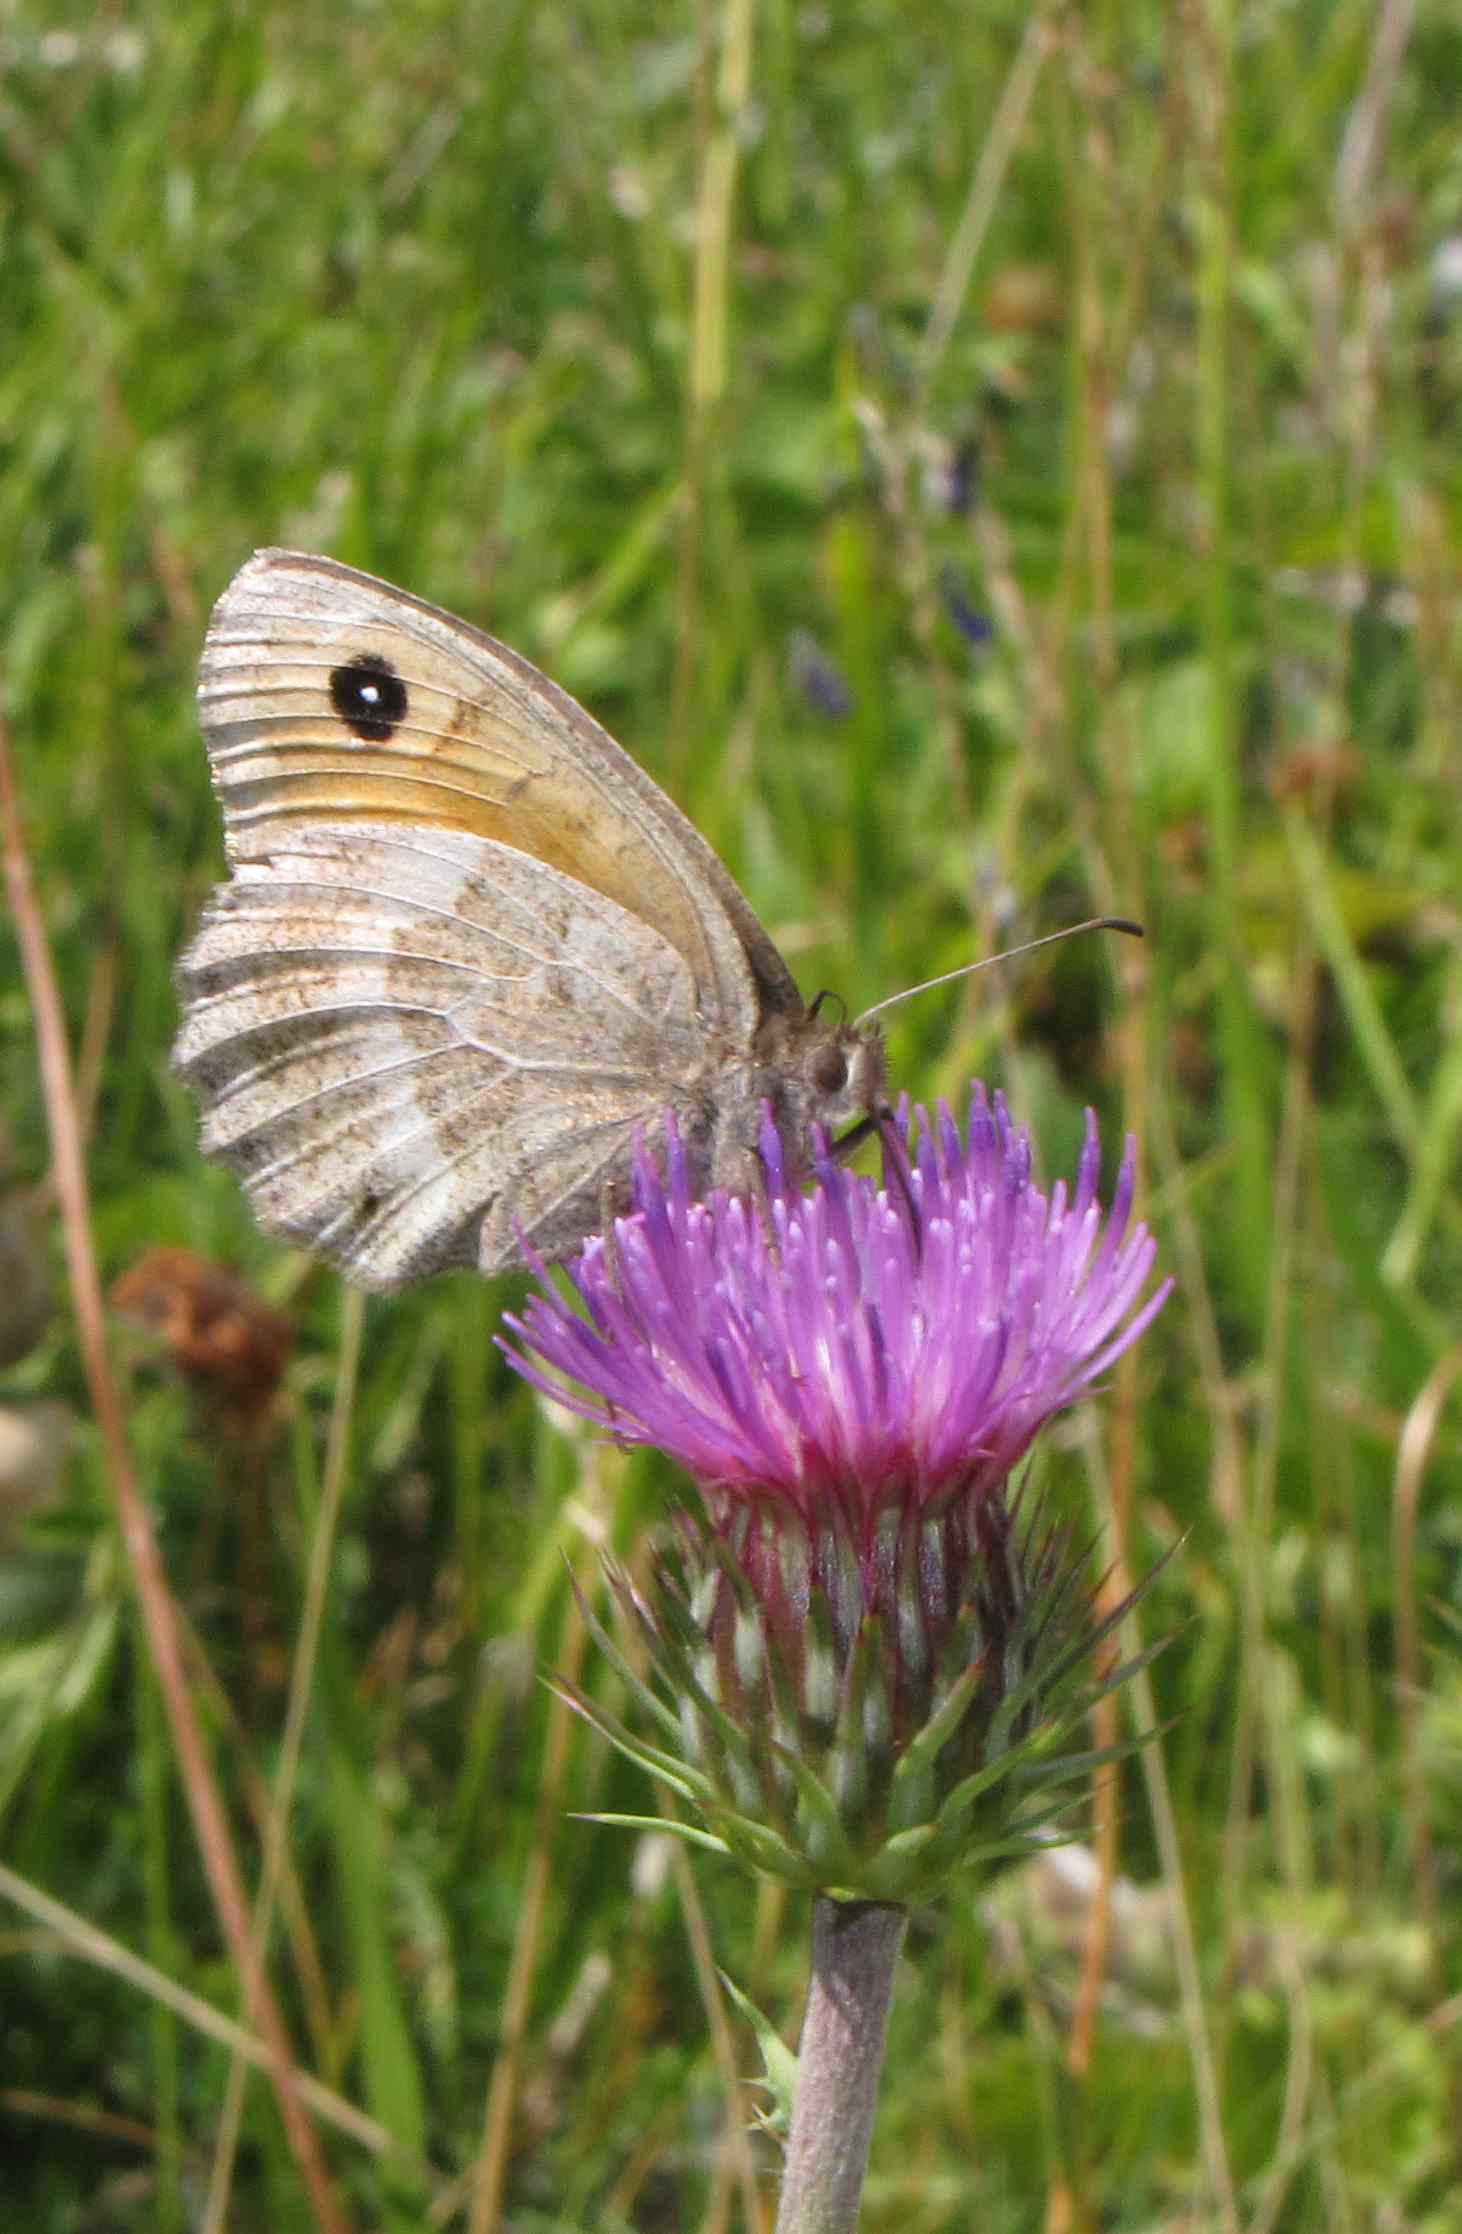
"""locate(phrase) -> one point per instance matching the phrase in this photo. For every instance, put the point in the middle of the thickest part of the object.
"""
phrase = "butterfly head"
(819, 1072)
(842, 1072)
(816, 1073)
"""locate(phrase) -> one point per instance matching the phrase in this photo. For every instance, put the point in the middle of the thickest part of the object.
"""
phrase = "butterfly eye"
(369, 696)
(830, 1070)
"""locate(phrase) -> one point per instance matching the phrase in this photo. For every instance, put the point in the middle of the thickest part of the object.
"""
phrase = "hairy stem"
(855, 1948)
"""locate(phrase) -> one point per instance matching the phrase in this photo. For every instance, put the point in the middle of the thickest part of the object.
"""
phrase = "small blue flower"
(820, 682)
(976, 627)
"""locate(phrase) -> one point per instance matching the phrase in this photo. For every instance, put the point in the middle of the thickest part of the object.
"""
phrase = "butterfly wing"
(468, 945)
(326, 695)
(417, 1044)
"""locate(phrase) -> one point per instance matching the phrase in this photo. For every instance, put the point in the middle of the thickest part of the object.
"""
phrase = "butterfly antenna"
(967, 969)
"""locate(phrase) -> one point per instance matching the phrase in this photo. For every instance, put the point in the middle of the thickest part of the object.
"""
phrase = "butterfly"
(468, 949)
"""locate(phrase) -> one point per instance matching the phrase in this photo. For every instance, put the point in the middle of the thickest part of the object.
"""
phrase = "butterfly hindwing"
(412, 1043)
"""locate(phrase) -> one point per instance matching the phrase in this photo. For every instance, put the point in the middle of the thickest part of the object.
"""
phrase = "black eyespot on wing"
(369, 696)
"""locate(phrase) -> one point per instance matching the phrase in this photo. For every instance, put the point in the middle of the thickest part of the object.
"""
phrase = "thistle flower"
(857, 1635)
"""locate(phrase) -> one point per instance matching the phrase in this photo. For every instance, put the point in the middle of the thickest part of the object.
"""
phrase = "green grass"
(418, 285)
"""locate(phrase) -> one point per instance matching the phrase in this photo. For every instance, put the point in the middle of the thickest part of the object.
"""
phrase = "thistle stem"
(855, 1949)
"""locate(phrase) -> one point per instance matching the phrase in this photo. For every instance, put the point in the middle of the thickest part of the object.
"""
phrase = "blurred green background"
(990, 464)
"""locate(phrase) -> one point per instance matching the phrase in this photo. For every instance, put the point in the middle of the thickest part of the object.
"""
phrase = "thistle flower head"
(856, 1635)
(857, 1345)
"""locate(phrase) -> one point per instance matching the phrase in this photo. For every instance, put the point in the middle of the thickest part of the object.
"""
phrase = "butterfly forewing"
(325, 695)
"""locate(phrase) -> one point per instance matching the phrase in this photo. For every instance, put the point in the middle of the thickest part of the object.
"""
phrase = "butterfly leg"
(882, 1121)
(847, 1144)
(611, 1206)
